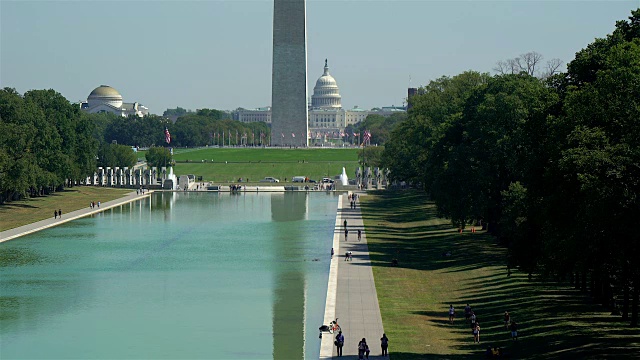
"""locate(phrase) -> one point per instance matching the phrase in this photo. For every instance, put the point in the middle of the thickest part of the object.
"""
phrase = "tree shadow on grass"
(555, 320)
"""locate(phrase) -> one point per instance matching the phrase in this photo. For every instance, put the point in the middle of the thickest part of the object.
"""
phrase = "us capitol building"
(105, 99)
(326, 115)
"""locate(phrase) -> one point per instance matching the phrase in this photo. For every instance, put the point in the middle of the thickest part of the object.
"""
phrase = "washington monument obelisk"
(289, 125)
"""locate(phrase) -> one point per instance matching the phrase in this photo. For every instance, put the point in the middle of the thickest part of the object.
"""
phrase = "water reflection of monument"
(289, 302)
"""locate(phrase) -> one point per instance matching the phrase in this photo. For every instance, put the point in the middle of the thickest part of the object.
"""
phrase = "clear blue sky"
(217, 54)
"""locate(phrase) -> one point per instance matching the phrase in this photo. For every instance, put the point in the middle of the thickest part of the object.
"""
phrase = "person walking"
(514, 331)
(507, 318)
(332, 253)
(452, 314)
(362, 348)
(384, 344)
(55, 214)
(359, 234)
(345, 224)
(60, 213)
(346, 234)
(339, 342)
(476, 333)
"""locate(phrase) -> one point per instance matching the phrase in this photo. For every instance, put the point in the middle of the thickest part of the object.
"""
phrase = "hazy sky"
(217, 54)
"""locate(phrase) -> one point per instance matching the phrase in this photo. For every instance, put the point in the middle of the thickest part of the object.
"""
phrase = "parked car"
(312, 181)
(298, 178)
(270, 179)
(327, 181)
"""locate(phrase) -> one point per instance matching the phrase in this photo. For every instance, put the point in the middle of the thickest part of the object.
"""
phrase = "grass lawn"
(555, 321)
(224, 173)
(265, 154)
(18, 213)
(223, 165)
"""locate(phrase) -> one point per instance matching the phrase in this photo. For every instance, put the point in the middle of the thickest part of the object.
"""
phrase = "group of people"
(352, 200)
(472, 319)
(57, 213)
(363, 347)
(348, 256)
(93, 204)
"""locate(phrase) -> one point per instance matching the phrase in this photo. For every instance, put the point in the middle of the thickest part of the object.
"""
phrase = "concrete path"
(353, 299)
(51, 222)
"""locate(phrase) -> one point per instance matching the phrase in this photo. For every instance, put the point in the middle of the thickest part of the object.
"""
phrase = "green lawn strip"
(555, 320)
(230, 172)
(265, 154)
(23, 212)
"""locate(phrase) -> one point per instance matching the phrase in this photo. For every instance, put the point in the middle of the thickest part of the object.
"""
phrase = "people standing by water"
(60, 213)
(55, 214)
(384, 344)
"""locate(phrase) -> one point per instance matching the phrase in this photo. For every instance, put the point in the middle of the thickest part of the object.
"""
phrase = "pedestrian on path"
(359, 234)
(332, 253)
(384, 343)
(452, 314)
(345, 224)
(339, 342)
(98, 204)
(362, 348)
(55, 214)
(346, 234)
(60, 213)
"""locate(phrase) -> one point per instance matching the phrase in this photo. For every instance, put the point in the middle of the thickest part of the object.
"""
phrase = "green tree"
(159, 157)
(115, 155)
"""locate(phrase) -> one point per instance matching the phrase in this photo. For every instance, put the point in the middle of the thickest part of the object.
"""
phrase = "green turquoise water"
(175, 276)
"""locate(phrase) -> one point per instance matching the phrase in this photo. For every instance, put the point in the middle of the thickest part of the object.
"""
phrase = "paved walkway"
(351, 296)
(51, 222)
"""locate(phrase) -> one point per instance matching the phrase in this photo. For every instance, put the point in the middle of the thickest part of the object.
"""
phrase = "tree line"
(549, 165)
(48, 143)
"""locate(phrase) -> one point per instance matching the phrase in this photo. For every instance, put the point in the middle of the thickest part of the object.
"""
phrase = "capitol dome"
(326, 93)
(104, 94)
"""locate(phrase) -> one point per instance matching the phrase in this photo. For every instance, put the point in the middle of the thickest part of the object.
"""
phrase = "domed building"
(326, 93)
(327, 119)
(105, 99)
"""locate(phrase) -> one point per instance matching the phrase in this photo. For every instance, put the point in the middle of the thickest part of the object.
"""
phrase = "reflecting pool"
(176, 276)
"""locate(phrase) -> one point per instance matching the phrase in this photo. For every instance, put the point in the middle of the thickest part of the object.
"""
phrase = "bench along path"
(355, 299)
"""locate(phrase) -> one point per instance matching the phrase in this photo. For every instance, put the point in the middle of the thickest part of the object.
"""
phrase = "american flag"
(167, 135)
(367, 135)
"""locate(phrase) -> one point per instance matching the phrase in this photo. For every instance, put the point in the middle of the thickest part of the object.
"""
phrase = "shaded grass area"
(555, 321)
(265, 154)
(224, 173)
(23, 212)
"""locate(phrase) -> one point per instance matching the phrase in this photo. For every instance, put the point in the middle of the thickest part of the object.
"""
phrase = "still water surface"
(185, 275)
